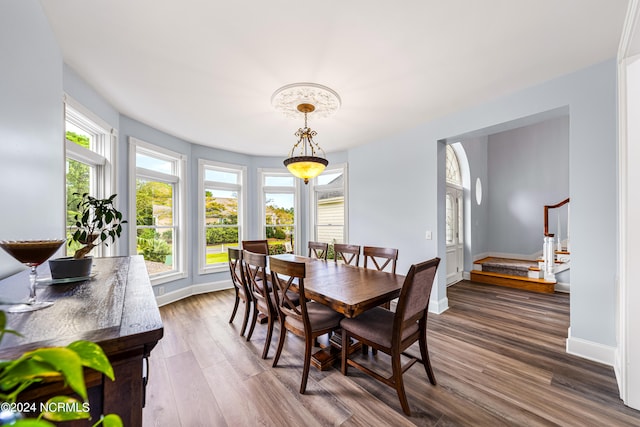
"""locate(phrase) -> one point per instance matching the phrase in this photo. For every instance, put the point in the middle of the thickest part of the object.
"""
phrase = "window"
(329, 213)
(453, 167)
(89, 148)
(221, 207)
(279, 207)
(158, 190)
(453, 201)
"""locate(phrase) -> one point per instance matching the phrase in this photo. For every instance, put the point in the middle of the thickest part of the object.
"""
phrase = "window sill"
(218, 268)
(169, 277)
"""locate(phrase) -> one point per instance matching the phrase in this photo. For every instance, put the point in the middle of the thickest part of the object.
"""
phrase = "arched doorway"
(454, 215)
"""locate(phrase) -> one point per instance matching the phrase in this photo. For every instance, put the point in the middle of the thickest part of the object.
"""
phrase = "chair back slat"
(380, 257)
(413, 302)
(350, 254)
(235, 268)
(255, 270)
(256, 246)
(283, 275)
(318, 250)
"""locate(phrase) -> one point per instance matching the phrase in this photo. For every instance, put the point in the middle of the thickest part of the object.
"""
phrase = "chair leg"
(308, 346)
(235, 307)
(424, 352)
(254, 320)
(283, 334)
(397, 380)
(267, 341)
(345, 352)
(246, 317)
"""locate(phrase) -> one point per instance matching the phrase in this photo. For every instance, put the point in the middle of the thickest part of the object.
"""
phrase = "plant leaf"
(65, 408)
(92, 356)
(32, 422)
(111, 420)
(24, 370)
(65, 361)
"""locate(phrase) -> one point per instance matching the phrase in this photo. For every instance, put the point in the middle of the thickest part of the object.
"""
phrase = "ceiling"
(205, 70)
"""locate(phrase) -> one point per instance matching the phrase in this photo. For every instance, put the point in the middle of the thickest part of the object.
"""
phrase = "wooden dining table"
(346, 289)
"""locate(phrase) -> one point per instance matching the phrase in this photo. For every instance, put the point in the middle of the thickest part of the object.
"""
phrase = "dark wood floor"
(498, 355)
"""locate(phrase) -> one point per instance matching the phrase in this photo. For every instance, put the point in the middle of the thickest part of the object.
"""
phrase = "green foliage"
(96, 221)
(277, 248)
(150, 194)
(154, 249)
(218, 235)
(54, 363)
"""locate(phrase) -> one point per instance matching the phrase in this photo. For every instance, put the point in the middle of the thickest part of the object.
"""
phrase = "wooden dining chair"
(392, 333)
(318, 250)
(240, 286)
(308, 320)
(350, 254)
(255, 267)
(380, 258)
(256, 246)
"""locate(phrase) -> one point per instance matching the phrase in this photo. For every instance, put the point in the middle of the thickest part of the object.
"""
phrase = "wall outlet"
(160, 290)
(428, 235)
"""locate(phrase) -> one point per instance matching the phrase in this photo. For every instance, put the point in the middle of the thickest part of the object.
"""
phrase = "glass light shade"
(306, 167)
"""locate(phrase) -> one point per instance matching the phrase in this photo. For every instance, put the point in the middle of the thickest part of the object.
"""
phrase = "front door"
(454, 235)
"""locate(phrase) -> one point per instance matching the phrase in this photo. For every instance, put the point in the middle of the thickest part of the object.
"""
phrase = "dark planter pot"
(65, 268)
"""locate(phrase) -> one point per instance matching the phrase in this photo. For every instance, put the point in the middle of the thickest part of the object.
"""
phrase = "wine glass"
(32, 253)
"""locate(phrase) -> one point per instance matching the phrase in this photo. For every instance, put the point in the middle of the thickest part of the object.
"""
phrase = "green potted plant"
(96, 221)
(50, 364)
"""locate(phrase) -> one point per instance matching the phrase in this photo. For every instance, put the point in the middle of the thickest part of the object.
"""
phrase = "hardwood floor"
(498, 355)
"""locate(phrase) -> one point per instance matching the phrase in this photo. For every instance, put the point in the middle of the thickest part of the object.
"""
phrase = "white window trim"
(295, 189)
(313, 214)
(203, 268)
(104, 156)
(180, 200)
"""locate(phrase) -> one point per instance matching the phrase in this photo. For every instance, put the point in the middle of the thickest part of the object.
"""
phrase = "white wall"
(631, 250)
(396, 183)
(477, 233)
(31, 127)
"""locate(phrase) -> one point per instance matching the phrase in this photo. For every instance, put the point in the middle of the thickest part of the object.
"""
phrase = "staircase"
(512, 273)
(533, 275)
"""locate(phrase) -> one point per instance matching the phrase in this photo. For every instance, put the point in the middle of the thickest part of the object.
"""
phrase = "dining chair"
(255, 266)
(380, 258)
(392, 333)
(350, 254)
(256, 246)
(240, 286)
(318, 250)
(308, 320)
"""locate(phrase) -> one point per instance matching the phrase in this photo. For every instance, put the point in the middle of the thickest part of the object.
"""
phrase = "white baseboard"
(466, 275)
(200, 288)
(592, 351)
(562, 287)
(439, 307)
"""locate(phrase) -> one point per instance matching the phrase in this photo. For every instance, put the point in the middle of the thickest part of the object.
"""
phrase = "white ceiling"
(205, 70)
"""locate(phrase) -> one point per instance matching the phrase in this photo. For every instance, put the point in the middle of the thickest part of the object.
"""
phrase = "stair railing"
(546, 215)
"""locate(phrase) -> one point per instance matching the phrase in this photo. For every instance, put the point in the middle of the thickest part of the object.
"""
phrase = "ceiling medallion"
(286, 99)
(306, 159)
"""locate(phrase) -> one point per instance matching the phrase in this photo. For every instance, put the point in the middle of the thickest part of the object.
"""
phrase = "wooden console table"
(115, 309)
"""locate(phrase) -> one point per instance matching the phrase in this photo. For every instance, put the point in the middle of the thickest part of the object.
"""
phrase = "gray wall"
(528, 168)
(31, 129)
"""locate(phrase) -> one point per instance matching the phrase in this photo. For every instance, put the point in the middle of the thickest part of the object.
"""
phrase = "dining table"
(347, 289)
